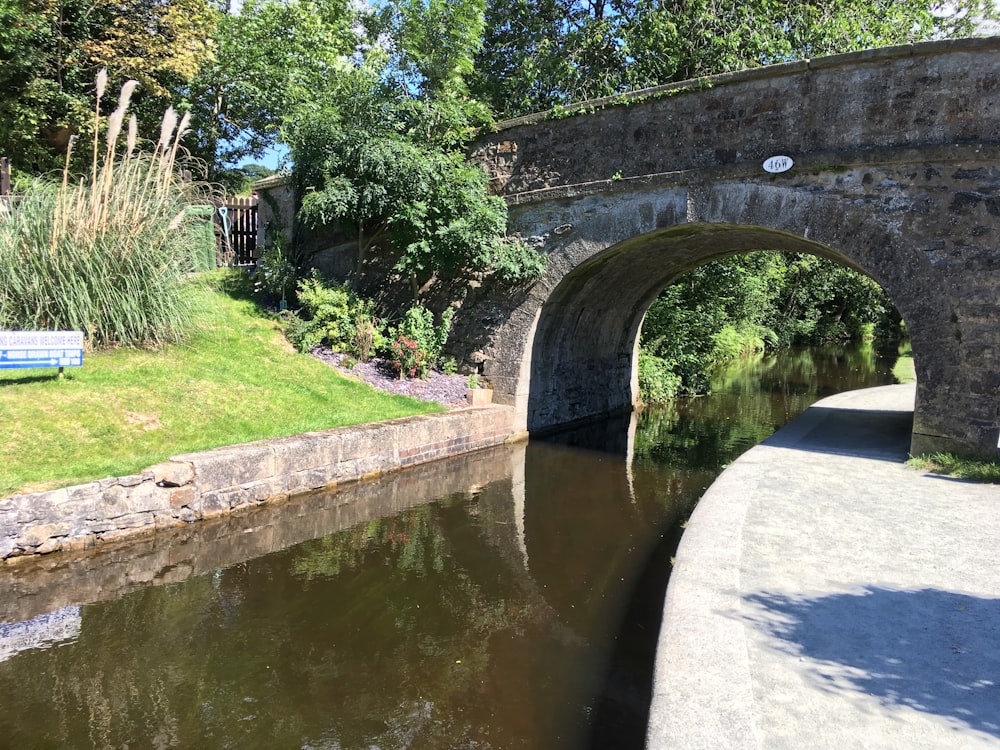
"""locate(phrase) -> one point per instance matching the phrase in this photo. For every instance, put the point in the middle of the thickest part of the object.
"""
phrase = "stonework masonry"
(197, 486)
(896, 174)
(896, 155)
(38, 584)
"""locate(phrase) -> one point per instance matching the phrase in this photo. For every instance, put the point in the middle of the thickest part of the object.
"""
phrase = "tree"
(436, 42)
(270, 58)
(538, 53)
(51, 51)
(381, 151)
(399, 190)
(763, 300)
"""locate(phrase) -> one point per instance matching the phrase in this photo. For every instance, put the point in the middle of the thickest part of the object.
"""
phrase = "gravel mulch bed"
(447, 390)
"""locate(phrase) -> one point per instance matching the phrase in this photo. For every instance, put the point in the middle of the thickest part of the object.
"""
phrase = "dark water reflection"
(508, 599)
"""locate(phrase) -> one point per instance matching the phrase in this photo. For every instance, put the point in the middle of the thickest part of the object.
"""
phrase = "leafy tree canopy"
(270, 57)
(391, 169)
(539, 53)
(51, 51)
(241, 73)
(764, 300)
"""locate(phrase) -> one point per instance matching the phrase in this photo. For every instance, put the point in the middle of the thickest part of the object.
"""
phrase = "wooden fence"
(236, 229)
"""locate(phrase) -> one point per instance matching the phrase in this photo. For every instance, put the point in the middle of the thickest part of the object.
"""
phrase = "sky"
(271, 159)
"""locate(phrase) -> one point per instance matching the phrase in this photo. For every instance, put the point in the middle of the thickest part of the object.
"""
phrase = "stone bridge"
(895, 174)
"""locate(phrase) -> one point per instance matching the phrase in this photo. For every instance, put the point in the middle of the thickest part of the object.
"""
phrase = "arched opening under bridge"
(583, 350)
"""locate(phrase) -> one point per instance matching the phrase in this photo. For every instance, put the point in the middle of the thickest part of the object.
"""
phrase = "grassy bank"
(235, 380)
(904, 370)
(961, 468)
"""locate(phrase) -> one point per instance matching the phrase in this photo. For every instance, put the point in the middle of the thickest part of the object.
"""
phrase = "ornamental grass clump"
(107, 253)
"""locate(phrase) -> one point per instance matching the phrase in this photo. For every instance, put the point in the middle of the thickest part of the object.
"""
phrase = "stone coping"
(874, 55)
(196, 486)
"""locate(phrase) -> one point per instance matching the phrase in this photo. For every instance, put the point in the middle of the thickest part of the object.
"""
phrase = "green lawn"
(234, 381)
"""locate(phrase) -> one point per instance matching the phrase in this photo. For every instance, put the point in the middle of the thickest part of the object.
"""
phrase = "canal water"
(506, 599)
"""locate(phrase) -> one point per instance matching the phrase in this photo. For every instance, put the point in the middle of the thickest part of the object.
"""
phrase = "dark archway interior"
(584, 344)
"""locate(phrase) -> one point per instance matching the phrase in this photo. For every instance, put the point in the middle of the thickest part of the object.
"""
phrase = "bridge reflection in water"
(485, 601)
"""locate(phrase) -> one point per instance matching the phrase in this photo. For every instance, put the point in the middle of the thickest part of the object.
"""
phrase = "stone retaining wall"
(196, 486)
(40, 584)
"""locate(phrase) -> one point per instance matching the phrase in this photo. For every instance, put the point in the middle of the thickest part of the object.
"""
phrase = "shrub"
(367, 336)
(106, 255)
(334, 315)
(408, 358)
(733, 341)
(658, 383)
(418, 326)
(276, 273)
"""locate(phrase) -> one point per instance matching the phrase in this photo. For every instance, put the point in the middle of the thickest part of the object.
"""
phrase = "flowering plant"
(408, 359)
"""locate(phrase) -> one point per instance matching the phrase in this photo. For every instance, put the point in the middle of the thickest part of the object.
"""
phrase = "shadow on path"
(933, 651)
(863, 433)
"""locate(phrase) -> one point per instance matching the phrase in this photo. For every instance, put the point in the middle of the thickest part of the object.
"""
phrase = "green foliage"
(50, 53)
(737, 340)
(731, 308)
(417, 342)
(904, 370)
(389, 170)
(106, 256)
(437, 40)
(538, 54)
(408, 359)
(270, 57)
(276, 272)
(232, 381)
(658, 383)
(963, 468)
(333, 315)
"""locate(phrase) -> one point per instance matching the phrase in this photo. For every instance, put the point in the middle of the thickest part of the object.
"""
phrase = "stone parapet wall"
(933, 94)
(275, 210)
(895, 174)
(196, 486)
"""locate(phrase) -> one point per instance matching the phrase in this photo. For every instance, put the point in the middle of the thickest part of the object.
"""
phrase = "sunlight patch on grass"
(903, 370)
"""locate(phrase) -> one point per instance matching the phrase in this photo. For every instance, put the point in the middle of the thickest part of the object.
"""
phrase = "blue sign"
(32, 349)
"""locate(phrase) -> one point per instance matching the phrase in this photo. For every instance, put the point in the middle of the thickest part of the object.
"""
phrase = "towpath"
(826, 596)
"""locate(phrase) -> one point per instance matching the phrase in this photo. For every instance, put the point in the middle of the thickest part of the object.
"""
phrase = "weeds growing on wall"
(105, 253)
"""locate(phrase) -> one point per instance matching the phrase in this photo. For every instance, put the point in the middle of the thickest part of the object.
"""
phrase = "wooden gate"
(236, 229)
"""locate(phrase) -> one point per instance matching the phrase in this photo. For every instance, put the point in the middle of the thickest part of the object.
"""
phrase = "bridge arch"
(897, 174)
(610, 253)
(582, 348)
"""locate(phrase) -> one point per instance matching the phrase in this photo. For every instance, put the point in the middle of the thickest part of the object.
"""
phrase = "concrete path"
(825, 596)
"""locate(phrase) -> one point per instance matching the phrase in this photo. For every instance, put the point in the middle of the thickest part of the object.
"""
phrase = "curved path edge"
(195, 486)
(824, 595)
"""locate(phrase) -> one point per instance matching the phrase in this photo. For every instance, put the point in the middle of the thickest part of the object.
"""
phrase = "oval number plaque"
(778, 164)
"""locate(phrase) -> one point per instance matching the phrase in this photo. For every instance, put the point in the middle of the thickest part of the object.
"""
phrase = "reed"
(106, 254)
